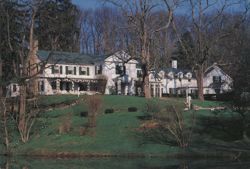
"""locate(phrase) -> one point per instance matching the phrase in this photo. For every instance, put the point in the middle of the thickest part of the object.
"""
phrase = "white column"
(88, 86)
(133, 87)
(119, 86)
(72, 86)
(57, 85)
(161, 90)
(126, 90)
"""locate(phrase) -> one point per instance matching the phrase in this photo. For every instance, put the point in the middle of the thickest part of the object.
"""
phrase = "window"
(74, 70)
(54, 69)
(98, 69)
(172, 91)
(207, 91)
(37, 67)
(53, 85)
(61, 70)
(41, 86)
(118, 69)
(14, 88)
(87, 71)
(69, 70)
(139, 73)
(83, 70)
(217, 79)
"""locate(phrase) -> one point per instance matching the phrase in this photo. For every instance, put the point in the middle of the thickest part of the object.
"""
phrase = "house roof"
(215, 66)
(68, 57)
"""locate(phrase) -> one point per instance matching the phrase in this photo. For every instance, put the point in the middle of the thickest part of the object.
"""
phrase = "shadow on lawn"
(223, 127)
(207, 131)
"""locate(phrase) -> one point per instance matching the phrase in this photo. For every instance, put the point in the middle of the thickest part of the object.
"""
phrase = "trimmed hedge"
(109, 111)
(132, 109)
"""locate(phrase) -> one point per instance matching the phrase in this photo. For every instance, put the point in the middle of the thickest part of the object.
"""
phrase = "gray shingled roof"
(68, 57)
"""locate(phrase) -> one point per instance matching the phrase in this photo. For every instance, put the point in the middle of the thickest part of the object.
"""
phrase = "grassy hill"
(120, 132)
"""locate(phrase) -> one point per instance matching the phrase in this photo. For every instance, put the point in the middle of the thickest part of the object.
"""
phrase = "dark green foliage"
(84, 114)
(183, 53)
(132, 109)
(223, 128)
(58, 27)
(109, 111)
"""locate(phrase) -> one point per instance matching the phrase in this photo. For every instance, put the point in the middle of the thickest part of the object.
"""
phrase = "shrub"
(171, 119)
(84, 114)
(65, 125)
(109, 111)
(132, 109)
(83, 131)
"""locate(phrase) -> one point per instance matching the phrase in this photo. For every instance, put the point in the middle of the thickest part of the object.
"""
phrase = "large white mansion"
(118, 73)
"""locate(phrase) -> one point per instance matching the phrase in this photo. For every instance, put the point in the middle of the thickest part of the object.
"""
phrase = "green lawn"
(118, 132)
(115, 133)
(56, 99)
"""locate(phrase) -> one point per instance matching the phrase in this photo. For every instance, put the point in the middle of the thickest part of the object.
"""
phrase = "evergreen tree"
(58, 26)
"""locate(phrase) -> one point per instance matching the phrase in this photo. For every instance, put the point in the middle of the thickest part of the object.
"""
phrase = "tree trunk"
(147, 90)
(5, 122)
(22, 110)
(199, 77)
(7, 142)
(1, 76)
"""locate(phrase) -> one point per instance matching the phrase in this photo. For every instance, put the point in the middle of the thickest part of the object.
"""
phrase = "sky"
(92, 4)
(88, 3)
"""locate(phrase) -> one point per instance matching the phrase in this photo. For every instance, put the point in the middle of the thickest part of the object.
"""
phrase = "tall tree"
(139, 16)
(58, 26)
(205, 30)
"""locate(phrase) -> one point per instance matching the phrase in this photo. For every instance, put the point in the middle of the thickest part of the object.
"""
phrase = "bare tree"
(206, 30)
(173, 121)
(138, 14)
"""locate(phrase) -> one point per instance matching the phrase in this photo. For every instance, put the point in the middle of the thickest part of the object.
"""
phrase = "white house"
(123, 74)
(172, 81)
(118, 73)
(74, 73)
(216, 81)
(70, 73)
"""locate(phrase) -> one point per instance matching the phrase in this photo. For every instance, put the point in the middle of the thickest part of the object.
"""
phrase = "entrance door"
(67, 86)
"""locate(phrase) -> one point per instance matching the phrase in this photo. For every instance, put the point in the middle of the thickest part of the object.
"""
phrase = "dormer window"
(189, 76)
(171, 75)
(180, 75)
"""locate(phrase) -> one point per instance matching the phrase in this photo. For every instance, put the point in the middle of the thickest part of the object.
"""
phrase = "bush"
(132, 109)
(83, 131)
(65, 124)
(109, 111)
(84, 114)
